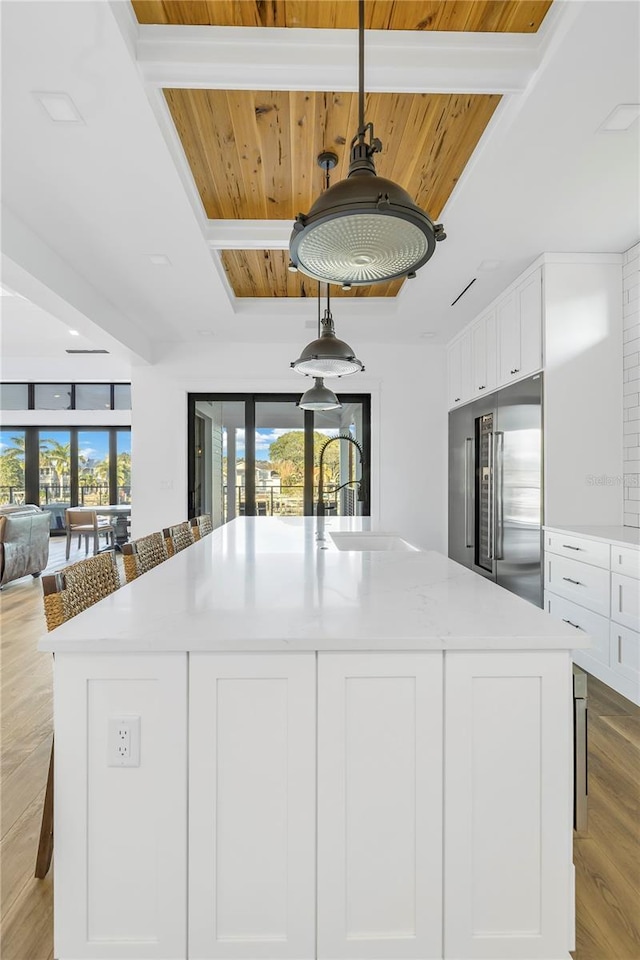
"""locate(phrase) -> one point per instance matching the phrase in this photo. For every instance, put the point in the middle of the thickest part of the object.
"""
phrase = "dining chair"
(201, 526)
(142, 554)
(86, 523)
(178, 537)
(67, 593)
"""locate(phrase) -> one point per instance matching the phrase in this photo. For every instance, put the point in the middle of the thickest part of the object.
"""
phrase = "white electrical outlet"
(123, 742)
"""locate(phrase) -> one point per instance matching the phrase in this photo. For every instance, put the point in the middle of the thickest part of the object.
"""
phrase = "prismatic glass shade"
(327, 356)
(319, 397)
(361, 248)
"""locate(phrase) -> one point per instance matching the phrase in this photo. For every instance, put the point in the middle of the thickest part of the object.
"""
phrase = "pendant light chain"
(361, 126)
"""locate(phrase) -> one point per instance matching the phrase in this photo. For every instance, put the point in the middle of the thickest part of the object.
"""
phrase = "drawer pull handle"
(619, 649)
(578, 583)
(567, 546)
(576, 625)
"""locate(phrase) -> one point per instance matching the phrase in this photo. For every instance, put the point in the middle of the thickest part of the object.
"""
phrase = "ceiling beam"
(254, 58)
(248, 234)
(37, 272)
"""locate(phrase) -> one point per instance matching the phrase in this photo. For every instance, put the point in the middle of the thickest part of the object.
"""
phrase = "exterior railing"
(89, 495)
(288, 501)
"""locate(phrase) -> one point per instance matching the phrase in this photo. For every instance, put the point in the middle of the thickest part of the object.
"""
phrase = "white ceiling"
(85, 204)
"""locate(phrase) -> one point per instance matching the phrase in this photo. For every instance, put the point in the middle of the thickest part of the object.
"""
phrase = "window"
(52, 396)
(65, 396)
(12, 444)
(14, 396)
(259, 455)
(93, 396)
(122, 396)
(59, 467)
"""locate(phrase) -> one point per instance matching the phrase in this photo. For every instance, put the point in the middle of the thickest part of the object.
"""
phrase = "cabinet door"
(466, 379)
(508, 339)
(252, 806)
(379, 805)
(508, 788)
(454, 369)
(484, 355)
(479, 357)
(625, 601)
(529, 296)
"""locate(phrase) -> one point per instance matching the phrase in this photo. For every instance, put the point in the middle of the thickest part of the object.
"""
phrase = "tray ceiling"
(253, 154)
(264, 273)
(487, 16)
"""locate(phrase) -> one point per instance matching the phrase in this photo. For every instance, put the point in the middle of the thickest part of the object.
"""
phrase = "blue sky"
(92, 444)
(264, 438)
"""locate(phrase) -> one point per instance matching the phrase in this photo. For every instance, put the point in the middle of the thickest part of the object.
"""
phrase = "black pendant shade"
(365, 229)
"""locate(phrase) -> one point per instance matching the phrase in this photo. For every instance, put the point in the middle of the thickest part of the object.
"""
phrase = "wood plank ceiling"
(487, 16)
(253, 153)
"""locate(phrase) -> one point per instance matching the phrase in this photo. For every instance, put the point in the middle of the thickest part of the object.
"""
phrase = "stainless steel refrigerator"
(495, 487)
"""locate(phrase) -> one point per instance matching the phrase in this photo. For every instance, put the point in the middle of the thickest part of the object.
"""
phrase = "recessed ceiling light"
(206, 333)
(159, 259)
(490, 265)
(427, 335)
(59, 107)
(74, 333)
(621, 117)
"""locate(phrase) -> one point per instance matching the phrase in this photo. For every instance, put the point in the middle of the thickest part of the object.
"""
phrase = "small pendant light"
(327, 356)
(319, 397)
(365, 229)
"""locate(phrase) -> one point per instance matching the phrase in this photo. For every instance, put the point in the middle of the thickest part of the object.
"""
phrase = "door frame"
(250, 400)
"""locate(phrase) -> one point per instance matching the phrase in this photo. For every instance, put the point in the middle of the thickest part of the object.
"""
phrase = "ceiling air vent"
(87, 351)
(460, 295)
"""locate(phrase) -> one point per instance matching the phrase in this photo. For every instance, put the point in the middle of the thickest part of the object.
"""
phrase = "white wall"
(631, 388)
(583, 389)
(408, 412)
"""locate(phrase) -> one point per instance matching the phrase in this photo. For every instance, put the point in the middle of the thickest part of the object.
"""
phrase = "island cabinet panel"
(252, 807)
(508, 879)
(120, 860)
(379, 805)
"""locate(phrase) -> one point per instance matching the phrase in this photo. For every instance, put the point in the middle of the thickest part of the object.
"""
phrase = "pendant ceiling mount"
(365, 229)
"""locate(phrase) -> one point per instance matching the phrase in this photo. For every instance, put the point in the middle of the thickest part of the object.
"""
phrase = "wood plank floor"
(607, 859)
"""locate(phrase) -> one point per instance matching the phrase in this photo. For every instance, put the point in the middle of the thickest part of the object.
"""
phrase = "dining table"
(119, 514)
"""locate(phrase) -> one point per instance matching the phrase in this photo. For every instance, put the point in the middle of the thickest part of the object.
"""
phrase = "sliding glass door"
(260, 455)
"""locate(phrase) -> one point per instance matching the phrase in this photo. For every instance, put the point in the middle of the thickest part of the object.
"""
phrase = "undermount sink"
(359, 540)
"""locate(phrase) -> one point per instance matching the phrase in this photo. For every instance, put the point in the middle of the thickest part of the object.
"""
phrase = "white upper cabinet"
(483, 355)
(459, 368)
(520, 330)
(503, 345)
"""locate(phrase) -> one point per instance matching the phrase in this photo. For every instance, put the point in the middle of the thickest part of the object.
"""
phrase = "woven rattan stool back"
(78, 587)
(178, 537)
(201, 526)
(143, 554)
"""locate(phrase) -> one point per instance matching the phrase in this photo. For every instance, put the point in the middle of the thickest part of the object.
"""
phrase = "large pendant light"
(365, 229)
(327, 356)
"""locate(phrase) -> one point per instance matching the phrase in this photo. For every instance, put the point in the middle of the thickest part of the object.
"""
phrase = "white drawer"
(625, 560)
(625, 652)
(586, 551)
(584, 621)
(625, 601)
(580, 582)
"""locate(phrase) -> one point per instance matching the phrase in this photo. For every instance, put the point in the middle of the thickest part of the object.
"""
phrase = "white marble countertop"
(621, 536)
(264, 584)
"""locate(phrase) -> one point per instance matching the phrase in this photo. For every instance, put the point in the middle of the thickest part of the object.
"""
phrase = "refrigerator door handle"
(468, 535)
(498, 512)
(490, 497)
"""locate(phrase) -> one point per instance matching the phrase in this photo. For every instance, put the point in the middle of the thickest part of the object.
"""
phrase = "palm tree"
(57, 458)
(12, 464)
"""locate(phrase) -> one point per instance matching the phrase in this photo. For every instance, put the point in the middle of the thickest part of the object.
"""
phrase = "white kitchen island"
(342, 754)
